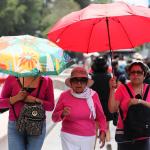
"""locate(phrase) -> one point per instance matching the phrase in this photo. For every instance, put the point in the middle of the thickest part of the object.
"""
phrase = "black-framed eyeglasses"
(138, 72)
(82, 80)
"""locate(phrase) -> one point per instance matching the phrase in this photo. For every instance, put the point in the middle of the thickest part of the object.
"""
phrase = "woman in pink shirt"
(79, 108)
(120, 98)
(12, 95)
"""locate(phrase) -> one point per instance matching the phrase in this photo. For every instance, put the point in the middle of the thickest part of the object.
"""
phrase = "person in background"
(120, 99)
(79, 109)
(12, 95)
(101, 79)
(123, 78)
(147, 78)
(116, 71)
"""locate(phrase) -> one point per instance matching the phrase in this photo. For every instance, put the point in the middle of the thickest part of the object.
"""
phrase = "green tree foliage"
(84, 3)
(56, 11)
(32, 17)
(35, 16)
(20, 16)
(102, 1)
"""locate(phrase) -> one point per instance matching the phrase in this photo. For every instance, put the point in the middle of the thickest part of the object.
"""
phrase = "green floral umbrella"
(27, 55)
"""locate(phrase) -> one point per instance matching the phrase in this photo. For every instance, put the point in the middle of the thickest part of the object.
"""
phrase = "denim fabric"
(19, 141)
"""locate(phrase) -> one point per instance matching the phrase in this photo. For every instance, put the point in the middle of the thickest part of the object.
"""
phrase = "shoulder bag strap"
(40, 84)
(131, 96)
(20, 82)
(146, 92)
(41, 80)
(144, 98)
(127, 88)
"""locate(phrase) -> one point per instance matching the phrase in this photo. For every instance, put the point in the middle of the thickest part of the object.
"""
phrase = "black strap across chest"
(37, 95)
(39, 87)
(131, 96)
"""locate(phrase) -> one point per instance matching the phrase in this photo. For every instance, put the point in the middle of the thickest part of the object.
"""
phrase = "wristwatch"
(139, 101)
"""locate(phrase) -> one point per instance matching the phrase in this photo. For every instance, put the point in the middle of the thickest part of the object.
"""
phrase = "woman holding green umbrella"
(28, 57)
(14, 98)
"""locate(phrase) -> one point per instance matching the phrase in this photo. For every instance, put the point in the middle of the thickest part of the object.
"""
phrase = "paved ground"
(53, 142)
(112, 142)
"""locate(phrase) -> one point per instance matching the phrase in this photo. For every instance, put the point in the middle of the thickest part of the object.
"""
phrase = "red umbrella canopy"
(101, 27)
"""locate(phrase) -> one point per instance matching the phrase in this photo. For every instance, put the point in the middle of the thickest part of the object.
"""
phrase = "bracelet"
(139, 101)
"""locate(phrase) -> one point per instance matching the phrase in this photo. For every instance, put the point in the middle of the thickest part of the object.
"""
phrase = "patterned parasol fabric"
(26, 55)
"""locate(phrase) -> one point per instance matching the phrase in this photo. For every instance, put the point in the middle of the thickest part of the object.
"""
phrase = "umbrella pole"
(107, 23)
(23, 83)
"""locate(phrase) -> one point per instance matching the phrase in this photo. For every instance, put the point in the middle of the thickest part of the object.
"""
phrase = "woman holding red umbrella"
(121, 100)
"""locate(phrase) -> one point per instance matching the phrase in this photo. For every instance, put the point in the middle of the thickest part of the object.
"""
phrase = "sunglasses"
(138, 72)
(82, 80)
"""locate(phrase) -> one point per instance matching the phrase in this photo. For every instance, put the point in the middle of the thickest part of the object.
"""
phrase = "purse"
(31, 118)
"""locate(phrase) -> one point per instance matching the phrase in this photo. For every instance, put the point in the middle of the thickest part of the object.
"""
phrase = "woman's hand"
(102, 138)
(113, 83)
(19, 97)
(113, 104)
(133, 101)
(66, 112)
(30, 99)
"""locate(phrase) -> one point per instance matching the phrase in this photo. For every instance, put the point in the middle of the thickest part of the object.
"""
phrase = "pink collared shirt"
(123, 97)
(11, 88)
(79, 121)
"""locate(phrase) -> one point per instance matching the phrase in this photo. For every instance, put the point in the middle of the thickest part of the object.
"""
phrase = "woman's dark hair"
(141, 64)
(100, 65)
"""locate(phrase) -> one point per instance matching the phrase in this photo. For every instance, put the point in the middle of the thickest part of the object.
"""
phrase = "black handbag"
(31, 118)
(137, 121)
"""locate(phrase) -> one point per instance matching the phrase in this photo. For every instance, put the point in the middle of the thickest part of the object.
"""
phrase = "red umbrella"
(100, 27)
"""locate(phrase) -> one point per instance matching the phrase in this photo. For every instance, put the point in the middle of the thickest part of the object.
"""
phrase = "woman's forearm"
(112, 103)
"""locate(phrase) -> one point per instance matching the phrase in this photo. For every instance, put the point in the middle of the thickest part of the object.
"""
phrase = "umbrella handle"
(113, 71)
